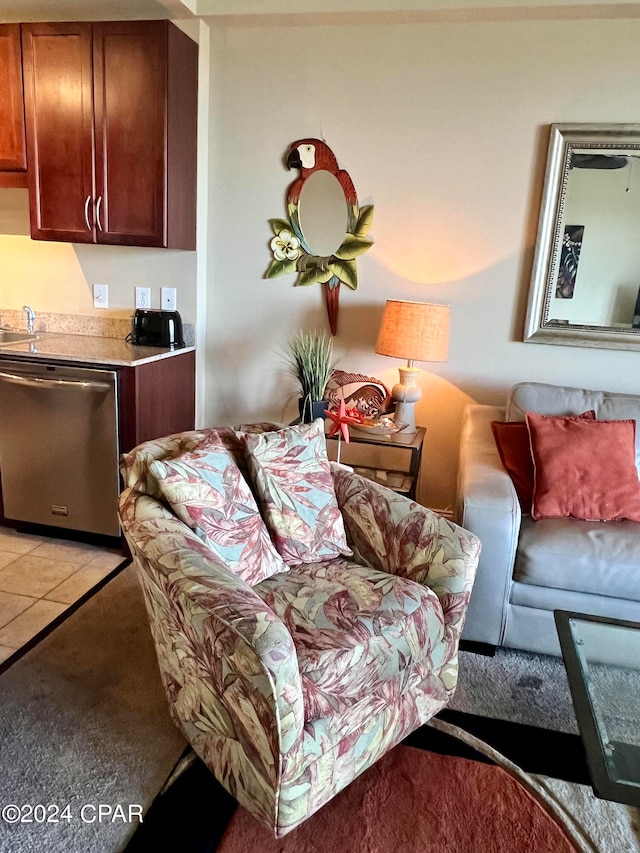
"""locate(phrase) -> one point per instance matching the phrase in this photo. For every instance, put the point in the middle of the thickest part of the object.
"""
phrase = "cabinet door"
(130, 104)
(12, 146)
(59, 117)
(156, 399)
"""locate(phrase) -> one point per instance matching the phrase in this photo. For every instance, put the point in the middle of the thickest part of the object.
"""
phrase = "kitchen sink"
(7, 337)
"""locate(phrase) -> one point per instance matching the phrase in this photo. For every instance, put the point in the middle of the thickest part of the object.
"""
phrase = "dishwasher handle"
(35, 381)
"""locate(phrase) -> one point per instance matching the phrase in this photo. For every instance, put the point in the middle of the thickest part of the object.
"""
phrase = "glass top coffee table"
(602, 659)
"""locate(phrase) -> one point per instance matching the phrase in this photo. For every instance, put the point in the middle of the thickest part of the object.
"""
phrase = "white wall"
(59, 277)
(443, 127)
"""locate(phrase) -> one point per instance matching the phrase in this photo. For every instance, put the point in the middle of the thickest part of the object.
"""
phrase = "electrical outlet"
(100, 296)
(168, 298)
(143, 297)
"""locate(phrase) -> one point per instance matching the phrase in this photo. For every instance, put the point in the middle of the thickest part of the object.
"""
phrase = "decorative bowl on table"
(383, 425)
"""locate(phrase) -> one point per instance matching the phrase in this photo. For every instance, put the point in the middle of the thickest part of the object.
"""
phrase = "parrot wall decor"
(291, 251)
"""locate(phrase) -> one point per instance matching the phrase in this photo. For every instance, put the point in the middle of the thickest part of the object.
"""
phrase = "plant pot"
(310, 411)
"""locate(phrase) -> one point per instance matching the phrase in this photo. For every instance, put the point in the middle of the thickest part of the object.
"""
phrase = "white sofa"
(529, 568)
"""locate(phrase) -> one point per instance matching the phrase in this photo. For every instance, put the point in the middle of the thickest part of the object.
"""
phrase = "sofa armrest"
(391, 533)
(228, 663)
(487, 504)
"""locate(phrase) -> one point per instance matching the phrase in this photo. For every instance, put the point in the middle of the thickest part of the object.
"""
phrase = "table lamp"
(417, 331)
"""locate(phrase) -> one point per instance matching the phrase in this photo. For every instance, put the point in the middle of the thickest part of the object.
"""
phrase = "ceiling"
(396, 7)
(87, 10)
(90, 10)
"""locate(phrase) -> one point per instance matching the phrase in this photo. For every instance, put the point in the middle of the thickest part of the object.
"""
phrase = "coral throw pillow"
(207, 492)
(293, 480)
(514, 449)
(584, 469)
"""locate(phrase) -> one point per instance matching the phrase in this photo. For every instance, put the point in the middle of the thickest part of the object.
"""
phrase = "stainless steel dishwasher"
(59, 446)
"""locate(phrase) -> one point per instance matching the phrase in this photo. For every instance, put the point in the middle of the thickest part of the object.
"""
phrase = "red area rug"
(414, 801)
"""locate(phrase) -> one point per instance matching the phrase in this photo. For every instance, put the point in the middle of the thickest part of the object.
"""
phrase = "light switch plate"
(143, 297)
(168, 298)
(100, 296)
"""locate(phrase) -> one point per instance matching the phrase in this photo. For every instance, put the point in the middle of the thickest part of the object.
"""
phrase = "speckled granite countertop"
(87, 349)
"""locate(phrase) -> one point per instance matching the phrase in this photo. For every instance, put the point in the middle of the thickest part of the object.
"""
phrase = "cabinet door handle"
(86, 212)
(98, 206)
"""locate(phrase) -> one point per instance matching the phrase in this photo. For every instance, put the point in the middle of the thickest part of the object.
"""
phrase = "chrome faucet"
(31, 316)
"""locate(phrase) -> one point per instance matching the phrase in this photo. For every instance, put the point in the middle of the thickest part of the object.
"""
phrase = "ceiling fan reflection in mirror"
(600, 161)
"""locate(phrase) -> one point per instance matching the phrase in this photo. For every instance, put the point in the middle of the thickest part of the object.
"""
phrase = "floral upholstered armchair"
(298, 642)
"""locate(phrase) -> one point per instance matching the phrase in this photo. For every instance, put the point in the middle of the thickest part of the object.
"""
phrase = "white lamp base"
(406, 394)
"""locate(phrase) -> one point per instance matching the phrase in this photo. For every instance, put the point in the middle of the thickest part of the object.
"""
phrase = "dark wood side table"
(393, 461)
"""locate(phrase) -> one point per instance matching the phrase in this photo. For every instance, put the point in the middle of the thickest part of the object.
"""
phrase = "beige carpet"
(83, 721)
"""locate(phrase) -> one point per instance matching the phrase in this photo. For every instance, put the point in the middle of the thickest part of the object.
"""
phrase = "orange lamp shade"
(417, 331)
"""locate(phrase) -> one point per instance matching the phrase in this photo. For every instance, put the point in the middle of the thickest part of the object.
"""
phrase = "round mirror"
(323, 213)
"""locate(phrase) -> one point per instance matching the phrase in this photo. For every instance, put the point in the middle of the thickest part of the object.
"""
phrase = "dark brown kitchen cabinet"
(13, 158)
(111, 113)
(156, 399)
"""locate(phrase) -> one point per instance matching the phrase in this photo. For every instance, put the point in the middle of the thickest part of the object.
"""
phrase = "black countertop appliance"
(156, 328)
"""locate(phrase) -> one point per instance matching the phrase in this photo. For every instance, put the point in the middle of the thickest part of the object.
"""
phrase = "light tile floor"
(40, 578)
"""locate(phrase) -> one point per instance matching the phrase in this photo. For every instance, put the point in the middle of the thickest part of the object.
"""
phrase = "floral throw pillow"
(207, 492)
(292, 478)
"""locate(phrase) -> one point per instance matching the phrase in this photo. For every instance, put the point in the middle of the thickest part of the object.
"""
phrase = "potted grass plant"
(310, 358)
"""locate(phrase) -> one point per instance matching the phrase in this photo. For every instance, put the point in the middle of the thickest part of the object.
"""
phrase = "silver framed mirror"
(585, 281)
